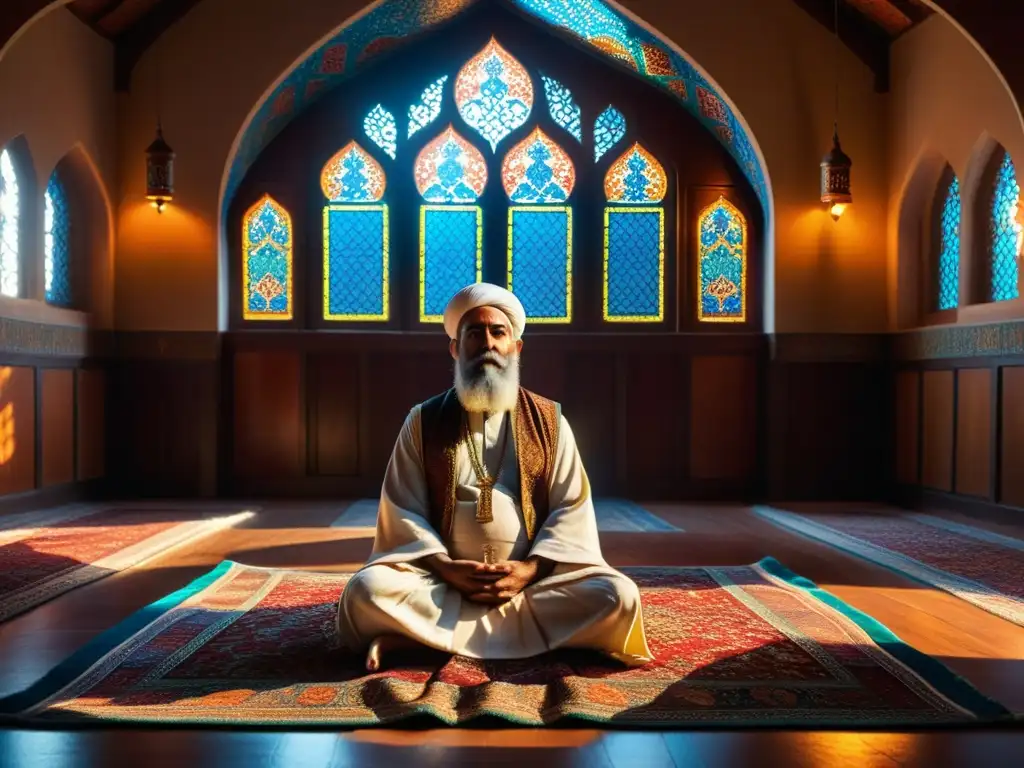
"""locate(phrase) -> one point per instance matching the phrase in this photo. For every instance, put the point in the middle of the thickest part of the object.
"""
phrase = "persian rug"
(976, 565)
(745, 645)
(613, 515)
(46, 553)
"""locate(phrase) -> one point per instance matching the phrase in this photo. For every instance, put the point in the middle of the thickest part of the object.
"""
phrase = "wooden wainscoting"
(654, 416)
(959, 431)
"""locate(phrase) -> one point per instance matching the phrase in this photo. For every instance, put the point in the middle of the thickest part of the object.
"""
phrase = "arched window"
(466, 157)
(948, 263)
(450, 175)
(722, 264)
(1004, 233)
(267, 261)
(539, 177)
(10, 206)
(355, 226)
(57, 243)
(634, 238)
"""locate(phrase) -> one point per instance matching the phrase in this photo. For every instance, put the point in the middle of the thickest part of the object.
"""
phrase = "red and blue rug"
(735, 646)
(984, 568)
(46, 553)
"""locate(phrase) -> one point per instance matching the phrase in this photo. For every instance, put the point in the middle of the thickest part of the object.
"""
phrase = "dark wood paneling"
(17, 429)
(269, 418)
(1012, 444)
(908, 422)
(334, 414)
(58, 427)
(937, 431)
(91, 418)
(655, 444)
(589, 407)
(164, 427)
(974, 432)
(723, 418)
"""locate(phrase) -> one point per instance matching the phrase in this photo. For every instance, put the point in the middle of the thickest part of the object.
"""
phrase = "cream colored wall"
(771, 59)
(56, 91)
(948, 105)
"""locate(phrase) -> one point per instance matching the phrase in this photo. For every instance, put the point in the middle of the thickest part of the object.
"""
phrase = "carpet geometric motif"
(751, 644)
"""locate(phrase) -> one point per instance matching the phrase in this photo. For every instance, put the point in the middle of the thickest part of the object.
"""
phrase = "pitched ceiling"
(867, 27)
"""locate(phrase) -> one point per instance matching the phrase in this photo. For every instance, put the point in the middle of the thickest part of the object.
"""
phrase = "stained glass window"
(609, 130)
(267, 261)
(451, 255)
(450, 170)
(722, 263)
(355, 230)
(537, 170)
(562, 108)
(540, 261)
(426, 110)
(356, 262)
(494, 93)
(352, 176)
(56, 243)
(382, 129)
(634, 264)
(636, 177)
(10, 280)
(1005, 233)
(949, 254)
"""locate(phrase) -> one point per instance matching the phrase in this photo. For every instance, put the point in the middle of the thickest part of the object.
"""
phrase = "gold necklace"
(484, 509)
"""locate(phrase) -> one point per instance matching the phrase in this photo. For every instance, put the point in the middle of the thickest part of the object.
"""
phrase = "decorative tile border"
(21, 337)
(959, 341)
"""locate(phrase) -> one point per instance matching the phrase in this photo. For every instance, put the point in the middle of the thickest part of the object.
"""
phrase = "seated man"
(486, 543)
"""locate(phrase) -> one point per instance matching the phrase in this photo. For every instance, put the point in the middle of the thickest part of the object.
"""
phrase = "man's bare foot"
(386, 644)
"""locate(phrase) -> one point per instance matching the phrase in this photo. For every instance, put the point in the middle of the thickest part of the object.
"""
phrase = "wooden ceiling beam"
(912, 10)
(133, 42)
(868, 41)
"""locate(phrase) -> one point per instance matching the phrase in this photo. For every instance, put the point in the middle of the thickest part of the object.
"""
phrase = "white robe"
(582, 603)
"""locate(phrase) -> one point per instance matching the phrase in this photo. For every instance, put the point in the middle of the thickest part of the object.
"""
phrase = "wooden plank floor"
(983, 648)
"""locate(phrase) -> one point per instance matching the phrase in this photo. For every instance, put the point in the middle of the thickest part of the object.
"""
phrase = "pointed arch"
(947, 215)
(636, 177)
(494, 93)
(352, 176)
(57, 244)
(267, 259)
(722, 263)
(11, 225)
(1004, 232)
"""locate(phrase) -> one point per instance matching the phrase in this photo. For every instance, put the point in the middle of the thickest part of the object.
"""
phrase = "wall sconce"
(835, 179)
(159, 171)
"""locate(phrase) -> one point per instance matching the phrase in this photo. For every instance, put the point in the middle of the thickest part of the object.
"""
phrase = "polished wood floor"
(986, 650)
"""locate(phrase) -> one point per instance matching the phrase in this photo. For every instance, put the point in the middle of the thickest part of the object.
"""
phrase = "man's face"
(485, 339)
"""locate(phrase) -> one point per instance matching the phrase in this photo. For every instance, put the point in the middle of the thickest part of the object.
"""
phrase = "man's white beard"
(488, 389)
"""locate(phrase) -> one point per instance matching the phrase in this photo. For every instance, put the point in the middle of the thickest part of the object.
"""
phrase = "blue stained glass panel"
(949, 256)
(562, 108)
(1005, 233)
(609, 130)
(426, 110)
(382, 129)
(450, 255)
(722, 263)
(634, 264)
(356, 262)
(56, 244)
(267, 249)
(540, 261)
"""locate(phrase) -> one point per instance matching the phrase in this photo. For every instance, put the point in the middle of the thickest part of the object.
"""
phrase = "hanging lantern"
(835, 179)
(159, 171)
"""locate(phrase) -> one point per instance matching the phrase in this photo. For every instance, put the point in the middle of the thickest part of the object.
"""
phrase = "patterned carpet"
(44, 554)
(986, 569)
(613, 515)
(744, 645)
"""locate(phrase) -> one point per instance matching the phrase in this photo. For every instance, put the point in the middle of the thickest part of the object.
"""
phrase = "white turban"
(484, 295)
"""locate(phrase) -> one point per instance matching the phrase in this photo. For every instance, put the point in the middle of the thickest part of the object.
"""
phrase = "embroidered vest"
(535, 423)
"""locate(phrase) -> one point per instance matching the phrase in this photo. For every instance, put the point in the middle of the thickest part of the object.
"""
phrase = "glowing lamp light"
(159, 172)
(835, 179)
